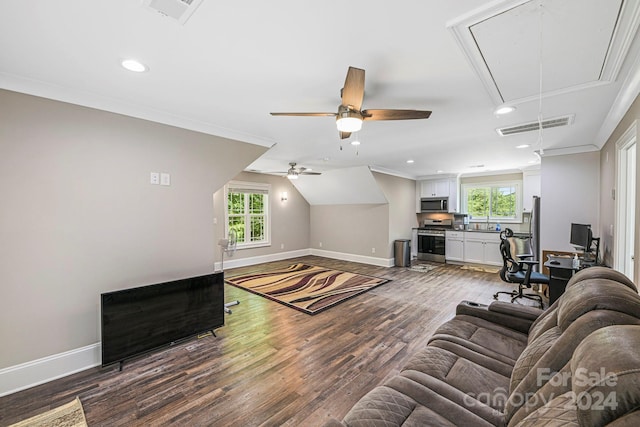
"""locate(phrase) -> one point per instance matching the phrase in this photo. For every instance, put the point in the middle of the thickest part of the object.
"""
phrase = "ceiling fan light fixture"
(292, 174)
(349, 121)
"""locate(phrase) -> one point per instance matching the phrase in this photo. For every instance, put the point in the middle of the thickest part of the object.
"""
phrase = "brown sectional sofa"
(576, 363)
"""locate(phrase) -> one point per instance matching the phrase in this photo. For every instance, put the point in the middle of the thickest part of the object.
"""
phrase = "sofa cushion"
(531, 355)
(531, 392)
(601, 273)
(558, 412)
(603, 381)
(484, 337)
(404, 402)
(546, 321)
(606, 385)
(596, 294)
(472, 376)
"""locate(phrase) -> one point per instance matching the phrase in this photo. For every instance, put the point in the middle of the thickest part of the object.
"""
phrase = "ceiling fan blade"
(395, 114)
(344, 135)
(353, 90)
(310, 173)
(304, 114)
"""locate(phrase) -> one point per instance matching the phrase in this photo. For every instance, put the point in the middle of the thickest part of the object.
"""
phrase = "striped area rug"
(307, 288)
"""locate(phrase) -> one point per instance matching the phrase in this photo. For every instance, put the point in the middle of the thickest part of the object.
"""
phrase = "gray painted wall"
(79, 216)
(608, 177)
(401, 194)
(289, 219)
(570, 192)
(351, 229)
(357, 229)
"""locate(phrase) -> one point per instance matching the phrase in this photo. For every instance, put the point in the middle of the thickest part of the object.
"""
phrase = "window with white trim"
(493, 202)
(248, 213)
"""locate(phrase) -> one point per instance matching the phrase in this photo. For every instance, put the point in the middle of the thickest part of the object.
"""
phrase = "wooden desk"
(560, 271)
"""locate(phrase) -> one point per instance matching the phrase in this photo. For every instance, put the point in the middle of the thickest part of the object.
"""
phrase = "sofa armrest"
(522, 311)
(516, 317)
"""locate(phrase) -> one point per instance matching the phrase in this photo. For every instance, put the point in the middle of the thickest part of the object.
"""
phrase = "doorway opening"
(626, 202)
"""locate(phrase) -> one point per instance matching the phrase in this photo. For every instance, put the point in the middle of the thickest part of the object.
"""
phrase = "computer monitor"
(581, 236)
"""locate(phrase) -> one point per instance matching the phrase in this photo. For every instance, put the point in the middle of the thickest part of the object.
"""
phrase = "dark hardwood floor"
(270, 364)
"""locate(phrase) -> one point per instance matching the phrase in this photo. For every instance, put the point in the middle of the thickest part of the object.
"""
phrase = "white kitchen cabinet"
(454, 245)
(482, 248)
(492, 253)
(530, 187)
(435, 188)
(446, 187)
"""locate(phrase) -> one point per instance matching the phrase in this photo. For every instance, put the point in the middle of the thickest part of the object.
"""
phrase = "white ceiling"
(232, 63)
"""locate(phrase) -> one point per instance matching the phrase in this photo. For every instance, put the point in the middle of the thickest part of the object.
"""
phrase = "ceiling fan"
(349, 117)
(294, 173)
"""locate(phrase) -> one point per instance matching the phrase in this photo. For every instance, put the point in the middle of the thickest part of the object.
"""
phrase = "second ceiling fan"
(350, 115)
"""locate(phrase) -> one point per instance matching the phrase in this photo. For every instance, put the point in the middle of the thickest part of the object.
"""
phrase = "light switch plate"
(165, 179)
(154, 178)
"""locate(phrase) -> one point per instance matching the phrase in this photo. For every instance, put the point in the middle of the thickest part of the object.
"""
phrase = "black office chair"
(520, 272)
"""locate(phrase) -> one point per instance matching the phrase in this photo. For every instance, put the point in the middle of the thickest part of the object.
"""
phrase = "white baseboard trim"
(40, 371)
(380, 262)
(230, 262)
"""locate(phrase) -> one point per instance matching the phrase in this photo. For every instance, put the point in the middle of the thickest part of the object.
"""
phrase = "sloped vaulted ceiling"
(348, 186)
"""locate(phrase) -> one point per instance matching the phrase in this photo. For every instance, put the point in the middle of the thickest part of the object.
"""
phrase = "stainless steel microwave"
(434, 204)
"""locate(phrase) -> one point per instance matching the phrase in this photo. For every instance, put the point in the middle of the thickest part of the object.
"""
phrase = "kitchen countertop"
(515, 233)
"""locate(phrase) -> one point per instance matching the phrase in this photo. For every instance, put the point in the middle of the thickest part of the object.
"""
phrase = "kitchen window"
(493, 202)
(248, 213)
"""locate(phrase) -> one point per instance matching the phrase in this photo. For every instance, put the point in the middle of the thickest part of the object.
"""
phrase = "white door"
(626, 202)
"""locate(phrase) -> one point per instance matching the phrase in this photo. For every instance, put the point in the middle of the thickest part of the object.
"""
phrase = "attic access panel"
(575, 41)
(584, 43)
(180, 10)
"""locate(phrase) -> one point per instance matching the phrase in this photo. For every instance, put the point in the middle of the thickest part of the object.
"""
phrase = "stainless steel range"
(431, 239)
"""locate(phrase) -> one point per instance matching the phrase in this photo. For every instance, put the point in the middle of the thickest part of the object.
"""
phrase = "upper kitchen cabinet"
(439, 188)
(435, 188)
(530, 187)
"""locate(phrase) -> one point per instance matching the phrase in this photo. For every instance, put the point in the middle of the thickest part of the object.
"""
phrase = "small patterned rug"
(68, 415)
(307, 288)
(481, 268)
(423, 268)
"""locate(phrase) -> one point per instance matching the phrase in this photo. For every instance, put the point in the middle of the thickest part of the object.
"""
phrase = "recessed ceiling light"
(439, 171)
(133, 65)
(522, 146)
(409, 161)
(355, 142)
(532, 162)
(505, 109)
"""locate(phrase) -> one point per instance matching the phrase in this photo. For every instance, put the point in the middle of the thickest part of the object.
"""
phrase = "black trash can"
(402, 253)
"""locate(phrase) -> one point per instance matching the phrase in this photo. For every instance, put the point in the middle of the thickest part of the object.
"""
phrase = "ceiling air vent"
(535, 126)
(180, 10)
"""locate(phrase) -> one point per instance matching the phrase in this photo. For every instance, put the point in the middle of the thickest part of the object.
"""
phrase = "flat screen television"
(581, 236)
(141, 319)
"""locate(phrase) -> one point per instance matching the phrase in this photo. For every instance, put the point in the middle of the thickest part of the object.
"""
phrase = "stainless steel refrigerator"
(534, 229)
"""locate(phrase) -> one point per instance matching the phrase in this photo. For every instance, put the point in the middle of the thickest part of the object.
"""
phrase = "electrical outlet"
(373, 250)
(165, 179)
(319, 244)
(281, 245)
(215, 221)
(154, 178)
